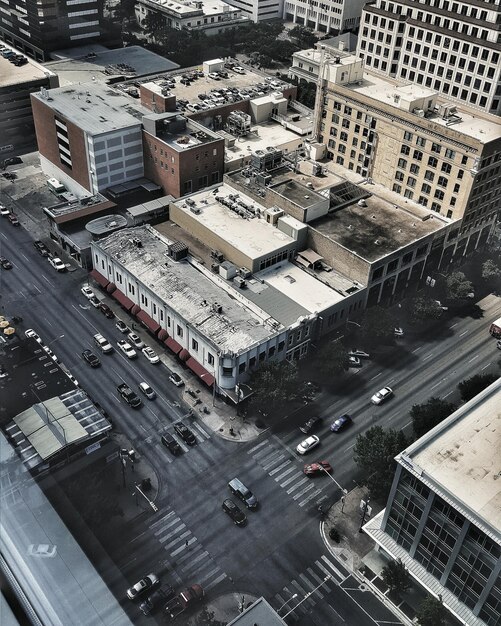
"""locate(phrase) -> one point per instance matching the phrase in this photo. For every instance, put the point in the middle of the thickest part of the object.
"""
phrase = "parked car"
(5, 263)
(157, 599)
(360, 354)
(4, 211)
(440, 305)
(87, 292)
(234, 511)
(127, 349)
(315, 469)
(57, 264)
(103, 343)
(498, 344)
(135, 340)
(147, 583)
(214, 76)
(151, 355)
(354, 361)
(185, 433)
(398, 332)
(308, 444)
(341, 423)
(94, 301)
(311, 424)
(122, 326)
(41, 248)
(147, 390)
(31, 334)
(382, 395)
(13, 219)
(176, 379)
(238, 69)
(90, 358)
(171, 444)
(106, 311)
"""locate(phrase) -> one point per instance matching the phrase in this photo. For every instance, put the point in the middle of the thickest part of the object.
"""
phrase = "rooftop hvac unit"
(218, 256)
(195, 210)
(215, 268)
(418, 112)
(240, 282)
(217, 308)
(190, 202)
(244, 272)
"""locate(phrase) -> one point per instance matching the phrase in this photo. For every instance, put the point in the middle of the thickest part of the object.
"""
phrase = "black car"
(105, 309)
(156, 599)
(12, 161)
(310, 425)
(171, 444)
(91, 358)
(41, 248)
(185, 433)
(5, 263)
(236, 514)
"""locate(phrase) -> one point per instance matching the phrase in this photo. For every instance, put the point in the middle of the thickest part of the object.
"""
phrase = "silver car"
(308, 444)
(382, 395)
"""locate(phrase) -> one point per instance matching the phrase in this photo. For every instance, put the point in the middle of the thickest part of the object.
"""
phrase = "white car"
(4, 211)
(127, 349)
(214, 76)
(150, 354)
(398, 332)
(238, 69)
(122, 326)
(31, 334)
(135, 340)
(176, 379)
(94, 301)
(308, 444)
(382, 395)
(103, 343)
(148, 583)
(57, 264)
(359, 354)
(354, 361)
(147, 390)
(87, 292)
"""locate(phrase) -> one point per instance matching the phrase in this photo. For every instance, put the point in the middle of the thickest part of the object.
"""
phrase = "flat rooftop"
(297, 193)
(188, 290)
(378, 228)
(10, 74)
(104, 65)
(95, 107)
(252, 236)
(183, 9)
(462, 455)
(475, 124)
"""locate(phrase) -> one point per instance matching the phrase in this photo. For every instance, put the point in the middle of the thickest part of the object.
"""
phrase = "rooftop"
(105, 65)
(297, 193)
(188, 8)
(461, 456)
(252, 236)
(480, 126)
(11, 74)
(188, 289)
(260, 612)
(373, 227)
(94, 107)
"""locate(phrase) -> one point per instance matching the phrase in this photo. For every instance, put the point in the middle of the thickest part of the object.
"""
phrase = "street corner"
(222, 608)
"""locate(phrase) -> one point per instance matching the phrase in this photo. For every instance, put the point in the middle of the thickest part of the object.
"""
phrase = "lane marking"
(334, 568)
(303, 491)
(428, 356)
(448, 394)
(159, 521)
(374, 377)
(289, 480)
(297, 485)
(475, 357)
(195, 560)
(311, 586)
(352, 446)
(436, 385)
(465, 332)
(485, 367)
(416, 349)
(272, 463)
(51, 284)
(172, 532)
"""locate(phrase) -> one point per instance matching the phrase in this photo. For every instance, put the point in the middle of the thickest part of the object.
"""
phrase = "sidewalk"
(356, 551)
(226, 607)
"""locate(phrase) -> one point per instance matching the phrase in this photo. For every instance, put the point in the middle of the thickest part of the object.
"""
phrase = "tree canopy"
(275, 384)
(491, 270)
(396, 576)
(458, 286)
(427, 416)
(374, 454)
(422, 308)
(431, 612)
(377, 326)
(470, 387)
(331, 359)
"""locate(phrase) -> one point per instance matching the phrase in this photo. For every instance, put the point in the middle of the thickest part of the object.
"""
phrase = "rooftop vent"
(362, 202)
(217, 308)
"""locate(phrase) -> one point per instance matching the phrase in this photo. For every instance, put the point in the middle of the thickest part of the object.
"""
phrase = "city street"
(279, 553)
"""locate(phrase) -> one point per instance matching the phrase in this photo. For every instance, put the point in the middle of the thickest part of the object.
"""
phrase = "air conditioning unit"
(418, 112)
(240, 282)
(244, 272)
(217, 308)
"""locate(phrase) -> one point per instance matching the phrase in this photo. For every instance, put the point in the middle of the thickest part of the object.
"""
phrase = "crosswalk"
(278, 463)
(185, 555)
(200, 433)
(303, 592)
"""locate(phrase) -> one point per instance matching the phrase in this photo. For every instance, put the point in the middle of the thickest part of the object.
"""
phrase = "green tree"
(491, 270)
(275, 384)
(431, 612)
(377, 326)
(153, 24)
(396, 576)
(304, 37)
(422, 308)
(331, 359)
(207, 617)
(470, 387)
(458, 286)
(427, 416)
(374, 454)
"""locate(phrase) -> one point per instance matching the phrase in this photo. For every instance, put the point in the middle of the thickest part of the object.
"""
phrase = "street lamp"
(345, 491)
(328, 577)
(287, 602)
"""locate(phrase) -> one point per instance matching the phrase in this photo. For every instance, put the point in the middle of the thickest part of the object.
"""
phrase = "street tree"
(427, 416)
(470, 387)
(458, 286)
(374, 454)
(207, 617)
(153, 24)
(431, 612)
(275, 385)
(331, 359)
(491, 270)
(422, 308)
(305, 37)
(377, 326)
(396, 576)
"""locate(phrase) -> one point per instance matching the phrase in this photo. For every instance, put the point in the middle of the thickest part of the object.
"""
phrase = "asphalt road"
(190, 539)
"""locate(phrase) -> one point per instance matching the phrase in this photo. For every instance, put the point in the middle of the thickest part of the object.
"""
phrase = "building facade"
(260, 10)
(38, 27)
(327, 17)
(451, 47)
(442, 517)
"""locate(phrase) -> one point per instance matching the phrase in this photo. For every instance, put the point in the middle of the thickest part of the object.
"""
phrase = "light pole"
(287, 602)
(307, 596)
(345, 491)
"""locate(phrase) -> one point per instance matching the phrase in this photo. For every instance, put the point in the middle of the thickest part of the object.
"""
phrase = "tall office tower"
(450, 47)
(38, 27)
(333, 16)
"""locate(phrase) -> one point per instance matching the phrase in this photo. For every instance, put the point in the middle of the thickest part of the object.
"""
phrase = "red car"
(314, 469)
(13, 219)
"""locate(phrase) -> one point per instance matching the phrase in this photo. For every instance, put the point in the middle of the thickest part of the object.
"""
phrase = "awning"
(200, 371)
(136, 309)
(111, 288)
(148, 321)
(163, 334)
(173, 345)
(122, 299)
(99, 278)
(184, 355)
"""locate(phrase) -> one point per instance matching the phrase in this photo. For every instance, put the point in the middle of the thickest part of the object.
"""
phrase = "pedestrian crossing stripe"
(334, 569)
(281, 466)
(311, 586)
(215, 582)
(172, 533)
(203, 432)
(259, 445)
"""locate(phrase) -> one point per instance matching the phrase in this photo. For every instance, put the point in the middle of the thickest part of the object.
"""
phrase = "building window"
(271, 351)
(414, 169)
(179, 331)
(449, 154)
(405, 150)
(432, 161)
(429, 176)
(399, 176)
(281, 346)
(407, 136)
(442, 181)
(210, 358)
(402, 163)
(435, 147)
(418, 155)
(194, 345)
(241, 368)
(446, 168)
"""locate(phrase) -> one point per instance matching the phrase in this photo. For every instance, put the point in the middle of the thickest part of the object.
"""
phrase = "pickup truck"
(183, 601)
(129, 396)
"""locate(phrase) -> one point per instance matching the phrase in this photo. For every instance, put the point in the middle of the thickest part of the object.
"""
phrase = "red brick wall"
(155, 102)
(45, 129)
(172, 168)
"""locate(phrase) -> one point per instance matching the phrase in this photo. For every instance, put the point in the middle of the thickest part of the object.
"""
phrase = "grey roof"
(187, 290)
(277, 304)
